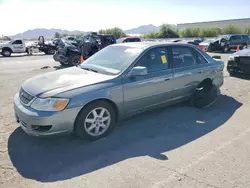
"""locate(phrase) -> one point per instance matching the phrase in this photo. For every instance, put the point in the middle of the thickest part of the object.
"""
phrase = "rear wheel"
(206, 94)
(51, 51)
(95, 120)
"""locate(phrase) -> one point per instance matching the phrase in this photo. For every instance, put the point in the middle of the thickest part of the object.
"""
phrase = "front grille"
(24, 96)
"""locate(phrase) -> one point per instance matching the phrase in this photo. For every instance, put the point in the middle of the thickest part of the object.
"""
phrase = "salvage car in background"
(225, 43)
(69, 53)
(118, 81)
(239, 62)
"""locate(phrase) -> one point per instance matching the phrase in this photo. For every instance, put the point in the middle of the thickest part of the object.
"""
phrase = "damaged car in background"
(115, 83)
(69, 53)
(226, 43)
(239, 62)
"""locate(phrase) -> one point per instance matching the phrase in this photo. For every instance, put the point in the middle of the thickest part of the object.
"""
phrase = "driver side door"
(18, 46)
(152, 89)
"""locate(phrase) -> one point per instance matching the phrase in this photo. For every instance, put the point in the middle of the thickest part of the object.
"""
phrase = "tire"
(81, 125)
(209, 48)
(6, 53)
(231, 73)
(63, 64)
(74, 60)
(226, 49)
(51, 51)
(206, 98)
(46, 52)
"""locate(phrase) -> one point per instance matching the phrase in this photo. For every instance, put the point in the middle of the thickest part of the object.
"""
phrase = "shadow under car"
(151, 134)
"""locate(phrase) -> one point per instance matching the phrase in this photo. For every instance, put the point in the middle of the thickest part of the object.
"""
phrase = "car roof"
(145, 45)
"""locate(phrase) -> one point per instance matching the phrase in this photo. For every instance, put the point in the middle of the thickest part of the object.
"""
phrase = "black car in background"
(225, 43)
(239, 62)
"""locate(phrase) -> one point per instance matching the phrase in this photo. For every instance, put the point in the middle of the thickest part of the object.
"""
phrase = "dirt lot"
(176, 147)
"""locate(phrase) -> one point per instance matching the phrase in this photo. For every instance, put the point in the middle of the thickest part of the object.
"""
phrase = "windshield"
(112, 59)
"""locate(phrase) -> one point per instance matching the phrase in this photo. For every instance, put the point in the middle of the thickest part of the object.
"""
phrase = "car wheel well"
(206, 84)
(96, 100)
(7, 48)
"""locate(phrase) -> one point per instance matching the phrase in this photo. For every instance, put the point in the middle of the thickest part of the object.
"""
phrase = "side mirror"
(137, 71)
(216, 57)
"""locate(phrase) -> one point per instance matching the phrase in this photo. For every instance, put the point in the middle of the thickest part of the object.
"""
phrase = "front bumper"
(241, 65)
(60, 58)
(0, 50)
(37, 123)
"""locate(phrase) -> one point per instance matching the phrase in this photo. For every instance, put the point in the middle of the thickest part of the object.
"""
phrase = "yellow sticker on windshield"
(163, 59)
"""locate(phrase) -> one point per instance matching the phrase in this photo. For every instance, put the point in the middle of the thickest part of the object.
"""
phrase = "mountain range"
(49, 33)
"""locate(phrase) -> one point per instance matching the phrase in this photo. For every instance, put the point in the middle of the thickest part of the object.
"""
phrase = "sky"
(92, 15)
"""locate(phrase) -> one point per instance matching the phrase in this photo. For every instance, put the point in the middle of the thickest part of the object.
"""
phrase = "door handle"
(200, 72)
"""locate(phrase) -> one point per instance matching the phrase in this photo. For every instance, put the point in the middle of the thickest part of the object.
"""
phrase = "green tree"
(247, 30)
(168, 31)
(232, 30)
(187, 32)
(117, 32)
(210, 32)
(58, 35)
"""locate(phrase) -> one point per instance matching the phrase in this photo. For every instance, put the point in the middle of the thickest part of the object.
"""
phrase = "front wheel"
(6, 53)
(63, 64)
(226, 49)
(95, 120)
(74, 60)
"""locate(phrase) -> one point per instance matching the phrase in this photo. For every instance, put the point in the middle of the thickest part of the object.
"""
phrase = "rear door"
(152, 89)
(18, 46)
(190, 68)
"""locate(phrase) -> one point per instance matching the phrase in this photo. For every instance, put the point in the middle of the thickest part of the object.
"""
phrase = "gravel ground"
(174, 147)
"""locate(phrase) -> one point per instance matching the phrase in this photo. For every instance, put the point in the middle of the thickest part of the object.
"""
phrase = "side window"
(17, 42)
(155, 60)
(245, 37)
(235, 38)
(183, 57)
(199, 58)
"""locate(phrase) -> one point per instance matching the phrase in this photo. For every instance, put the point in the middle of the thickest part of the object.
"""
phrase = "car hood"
(4, 43)
(62, 80)
(244, 52)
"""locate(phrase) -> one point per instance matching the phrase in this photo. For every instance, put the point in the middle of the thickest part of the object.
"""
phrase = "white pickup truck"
(12, 46)
(19, 46)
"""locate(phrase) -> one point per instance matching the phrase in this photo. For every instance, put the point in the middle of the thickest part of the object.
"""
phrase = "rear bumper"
(37, 123)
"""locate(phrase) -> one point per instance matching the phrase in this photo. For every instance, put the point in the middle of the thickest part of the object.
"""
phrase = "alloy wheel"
(97, 121)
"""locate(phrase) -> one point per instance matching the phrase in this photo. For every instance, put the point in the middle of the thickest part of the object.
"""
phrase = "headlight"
(231, 58)
(49, 104)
